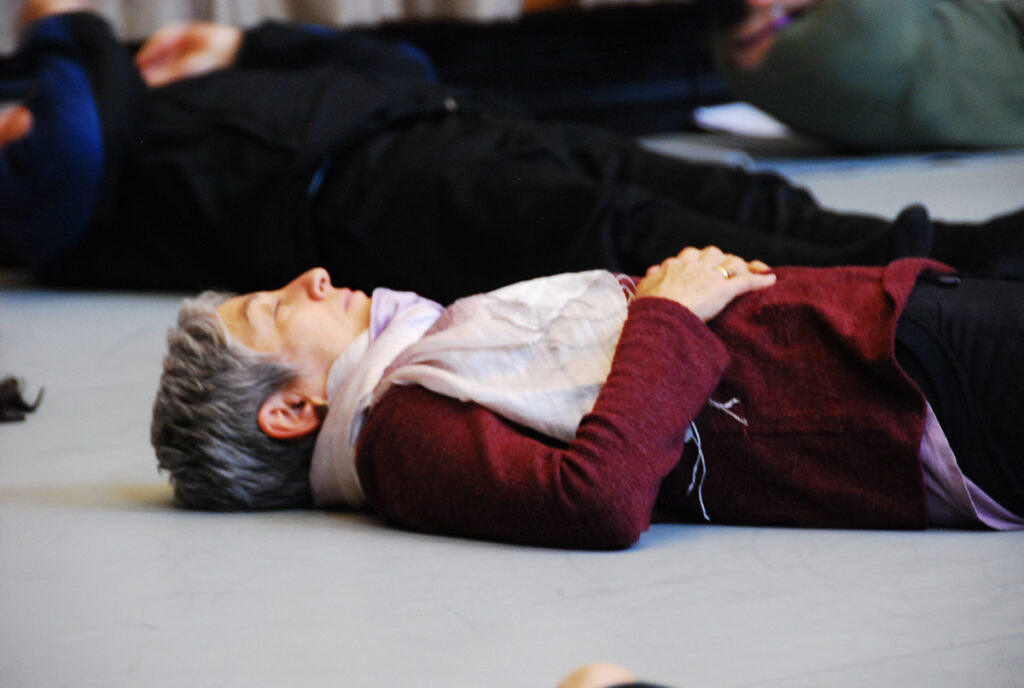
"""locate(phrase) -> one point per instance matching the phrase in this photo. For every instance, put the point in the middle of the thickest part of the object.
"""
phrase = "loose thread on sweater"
(700, 466)
(726, 408)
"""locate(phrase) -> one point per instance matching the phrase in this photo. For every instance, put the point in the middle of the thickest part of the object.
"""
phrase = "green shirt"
(896, 73)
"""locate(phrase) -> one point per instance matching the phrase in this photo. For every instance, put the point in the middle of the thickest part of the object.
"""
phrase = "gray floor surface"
(103, 583)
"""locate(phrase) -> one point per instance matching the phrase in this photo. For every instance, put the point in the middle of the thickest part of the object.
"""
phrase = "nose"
(316, 283)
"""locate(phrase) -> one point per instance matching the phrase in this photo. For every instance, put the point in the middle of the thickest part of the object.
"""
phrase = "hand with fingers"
(179, 51)
(753, 38)
(15, 122)
(705, 281)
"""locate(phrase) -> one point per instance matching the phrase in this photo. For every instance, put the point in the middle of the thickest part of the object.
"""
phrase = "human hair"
(205, 430)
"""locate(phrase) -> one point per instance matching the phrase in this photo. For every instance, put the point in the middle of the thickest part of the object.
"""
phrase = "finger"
(15, 122)
(752, 281)
(160, 46)
(758, 266)
(712, 254)
(157, 75)
(688, 254)
(179, 67)
(733, 265)
(153, 48)
(156, 57)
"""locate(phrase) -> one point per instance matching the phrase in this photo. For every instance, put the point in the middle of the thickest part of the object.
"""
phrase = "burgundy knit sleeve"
(439, 465)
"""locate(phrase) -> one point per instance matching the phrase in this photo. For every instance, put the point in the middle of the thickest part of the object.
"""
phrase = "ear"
(288, 414)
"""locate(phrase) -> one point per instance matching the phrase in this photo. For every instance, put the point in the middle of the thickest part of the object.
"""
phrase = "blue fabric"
(14, 89)
(417, 54)
(49, 180)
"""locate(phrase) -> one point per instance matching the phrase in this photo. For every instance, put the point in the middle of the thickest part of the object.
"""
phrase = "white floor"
(102, 583)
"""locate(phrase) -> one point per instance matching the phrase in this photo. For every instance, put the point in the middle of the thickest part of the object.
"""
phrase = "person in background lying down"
(574, 410)
(222, 158)
(882, 75)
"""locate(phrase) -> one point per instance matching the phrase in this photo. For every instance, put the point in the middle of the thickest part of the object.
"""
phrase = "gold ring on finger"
(726, 272)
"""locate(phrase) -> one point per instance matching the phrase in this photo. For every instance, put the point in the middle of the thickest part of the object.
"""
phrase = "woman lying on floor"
(572, 410)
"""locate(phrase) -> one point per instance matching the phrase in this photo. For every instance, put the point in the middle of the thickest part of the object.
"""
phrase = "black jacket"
(209, 181)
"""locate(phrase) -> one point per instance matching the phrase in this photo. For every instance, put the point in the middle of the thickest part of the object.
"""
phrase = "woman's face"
(307, 323)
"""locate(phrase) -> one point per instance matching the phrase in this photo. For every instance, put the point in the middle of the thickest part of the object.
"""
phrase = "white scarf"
(536, 352)
(397, 319)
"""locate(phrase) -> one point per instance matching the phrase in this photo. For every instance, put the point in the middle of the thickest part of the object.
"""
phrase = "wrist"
(778, 19)
(751, 42)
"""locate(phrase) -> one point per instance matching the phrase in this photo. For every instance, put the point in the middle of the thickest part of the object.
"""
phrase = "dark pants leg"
(472, 202)
(962, 341)
(994, 248)
(765, 216)
(753, 214)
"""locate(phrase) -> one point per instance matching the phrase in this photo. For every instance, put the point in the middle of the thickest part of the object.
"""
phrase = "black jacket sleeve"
(293, 45)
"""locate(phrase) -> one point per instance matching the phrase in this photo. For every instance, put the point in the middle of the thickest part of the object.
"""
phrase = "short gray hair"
(205, 430)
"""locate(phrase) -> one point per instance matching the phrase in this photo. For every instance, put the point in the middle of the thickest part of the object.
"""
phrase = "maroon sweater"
(832, 436)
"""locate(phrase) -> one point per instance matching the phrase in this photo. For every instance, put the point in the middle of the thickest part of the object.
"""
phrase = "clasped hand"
(705, 281)
(172, 53)
(180, 51)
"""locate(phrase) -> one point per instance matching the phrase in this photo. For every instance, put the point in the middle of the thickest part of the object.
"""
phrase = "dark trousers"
(243, 178)
(961, 339)
(475, 200)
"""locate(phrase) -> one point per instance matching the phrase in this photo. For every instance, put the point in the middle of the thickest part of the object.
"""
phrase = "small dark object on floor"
(13, 406)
